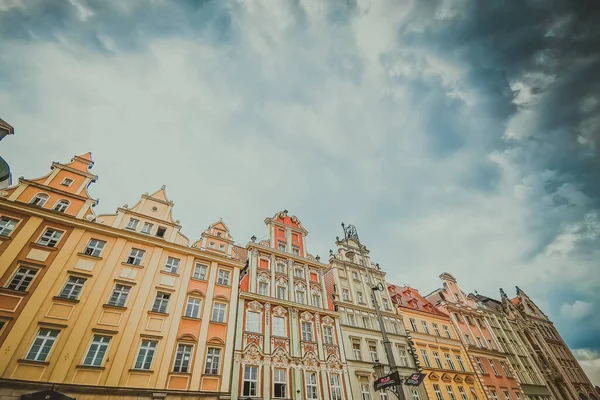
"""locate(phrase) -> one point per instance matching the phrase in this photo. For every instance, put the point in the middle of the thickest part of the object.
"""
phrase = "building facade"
(439, 350)
(114, 306)
(488, 360)
(288, 344)
(351, 277)
(505, 329)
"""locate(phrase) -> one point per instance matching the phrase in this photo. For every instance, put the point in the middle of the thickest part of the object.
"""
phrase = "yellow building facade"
(438, 349)
(111, 306)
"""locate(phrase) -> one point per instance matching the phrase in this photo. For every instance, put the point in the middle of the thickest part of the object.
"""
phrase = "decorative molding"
(255, 306)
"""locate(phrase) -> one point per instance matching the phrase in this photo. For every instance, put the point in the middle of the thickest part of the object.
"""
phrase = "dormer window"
(161, 231)
(147, 227)
(67, 182)
(219, 234)
(39, 200)
(211, 245)
(133, 223)
(221, 247)
(61, 205)
(281, 246)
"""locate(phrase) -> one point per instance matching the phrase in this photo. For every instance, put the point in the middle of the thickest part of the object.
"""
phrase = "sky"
(457, 136)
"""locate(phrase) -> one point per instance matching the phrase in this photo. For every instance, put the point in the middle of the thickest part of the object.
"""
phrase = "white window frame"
(136, 256)
(276, 326)
(357, 351)
(438, 360)
(72, 288)
(438, 392)
(221, 312)
(335, 384)
(306, 329)
(436, 329)
(24, 276)
(312, 385)
(345, 294)
(459, 360)
(365, 391)
(161, 302)
(493, 365)
(193, 306)
(43, 199)
(328, 336)
(212, 367)
(413, 324)
(67, 182)
(449, 362)
(425, 358)
(183, 357)
(447, 332)
(147, 227)
(250, 376)
(280, 268)
(360, 297)
(300, 296)
(96, 352)
(425, 327)
(281, 292)
(253, 321)
(119, 292)
(223, 277)
(451, 394)
(145, 356)
(45, 338)
(316, 300)
(462, 393)
(172, 265)
(263, 288)
(132, 224)
(373, 352)
(61, 205)
(415, 394)
(403, 357)
(200, 271)
(94, 248)
(277, 380)
(50, 237)
(7, 226)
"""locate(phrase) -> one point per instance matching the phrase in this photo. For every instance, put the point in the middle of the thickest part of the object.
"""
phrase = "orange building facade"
(113, 306)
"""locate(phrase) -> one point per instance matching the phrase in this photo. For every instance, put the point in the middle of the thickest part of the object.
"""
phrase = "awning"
(46, 395)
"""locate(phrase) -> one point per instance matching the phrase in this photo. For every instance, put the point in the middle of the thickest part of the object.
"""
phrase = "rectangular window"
(312, 391)
(460, 363)
(252, 321)
(438, 362)
(480, 365)
(359, 297)
(335, 383)
(161, 231)
(449, 362)
(42, 344)
(94, 248)
(213, 359)
(135, 257)
(345, 294)
(147, 228)
(218, 313)
(395, 328)
(403, 357)
(373, 353)
(50, 237)
(119, 295)
(450, 392)
(67, 182)
(281, 292)
(72, 288)
(172, 265)
(468, 319)
(383, 395)
(281, 246)
(316, 300)
(263, 288)
(493, 365)
(386, 304)
(351, 319)
(192, 308)
(7, 225)
(161, 302)
(494, 394)
(479, 342)
(279, 383)
(447, 331)
(413, 324)
(355, 275)
(300, 298)
(468, 339)
(436, 329)
(298, 273)
(200, 272)
(328, 334)
(505, 369)
(506, 395)
(438, 392)
(425, 358)
(425, 327)
(182, 358)
(307, 331)
(132, 224)
(414, 394)
(295, 251)
(223, 277)
(97, 351)
(366, 322)
(365, 391)
(22, 279)
(278, 326)
(250, 380)
(463, 394)
(356, 351)
(145, 355)
(280, 268)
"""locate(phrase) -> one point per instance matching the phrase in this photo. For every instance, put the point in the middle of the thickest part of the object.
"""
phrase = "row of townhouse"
(124, 306)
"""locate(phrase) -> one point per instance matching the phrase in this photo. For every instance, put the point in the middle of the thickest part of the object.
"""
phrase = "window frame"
(119, 295)
(18, 287)
(42, 195)
(310, 384)
(173, 266)
(328, 335)
(306, 335)
(224, 280)
(61, 205)
(6, 226)
(276, 382)
(132, 224)
(161, 302)
(100, 344)
(75, 286)
(210, 369)
(67, 181)
(51, 237)
(203, 271)
(135, 258)
(181, 365)
(224, 311)
(44, 340)
(94, 247)
(197, 307)
(283, 326)
(254, 324)
(148, 350)
(251, 380)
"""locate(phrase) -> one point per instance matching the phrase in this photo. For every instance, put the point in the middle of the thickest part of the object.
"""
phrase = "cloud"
(577, 310)
(456, 136)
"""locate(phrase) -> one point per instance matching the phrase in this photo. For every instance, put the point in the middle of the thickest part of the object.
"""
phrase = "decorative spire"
(503, 295)
(350, 232)
(519, 291)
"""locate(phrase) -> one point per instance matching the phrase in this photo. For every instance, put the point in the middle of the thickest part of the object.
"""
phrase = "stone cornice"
(289, 304)
(285, 255)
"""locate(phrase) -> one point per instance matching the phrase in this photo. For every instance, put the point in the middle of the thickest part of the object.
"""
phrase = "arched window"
(61, 205)
(39, 199)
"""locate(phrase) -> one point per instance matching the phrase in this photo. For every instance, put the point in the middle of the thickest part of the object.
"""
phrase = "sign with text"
(392, 379)
(414, 379)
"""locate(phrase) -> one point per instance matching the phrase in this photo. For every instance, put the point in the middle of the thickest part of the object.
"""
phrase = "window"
(345, 294)
(295, 251)
(50, 237)
(438, 362)
(135, 257)
(359, 297)
(94, 248)
(366, 322)
(279, 383)
(351, 319)
(278, 326)
(67, 182)
(147, 228)
(145, 355)
(447, 331)
(39, 200)
(223, 277)
(183, 357)
(119, 295)
(161, 302)
(192, 308)
(356, 351)
(460, 363)
(307, 331)
(383, 395)
(403, 357)
(281, 246)
(480, 365)
(413, 324)
(493, 365)
(200, 272)
(386, 304)
(373, 353)
(395, 328)
(61, 205)
(425, 327)
(161, 231)
(252, 321)
(328, 334)
(97, 351)
(505, 369)
(221, 247)
(518, 395)
(355, 275)
(133, 223)
(218, 314)
(450, 392)
(479, 342)
(468, 320)
(250, 380)
(494, 394)
(316, 300)
(298, 273)
(213, 358)
(462, 393)
(365, 391)
(335, 383)
(280, 268)
(263, 288)
(415, 394)
(72, 288)
(436, 329)
(506, 395)
(172, 265)
(300, 298)
(42, 344)
(438, 392)
(425, 358)
(312, 391)
(7, 225)
(468, 339)
(22, 279)
(449, 362)
(281, 292)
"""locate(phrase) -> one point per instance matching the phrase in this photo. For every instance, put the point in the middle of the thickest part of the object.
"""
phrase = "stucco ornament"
(252, 355)
(327, 320)
(279, 311)
(255, 306)
(310, 362)
(280, 359)
(306, 316)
